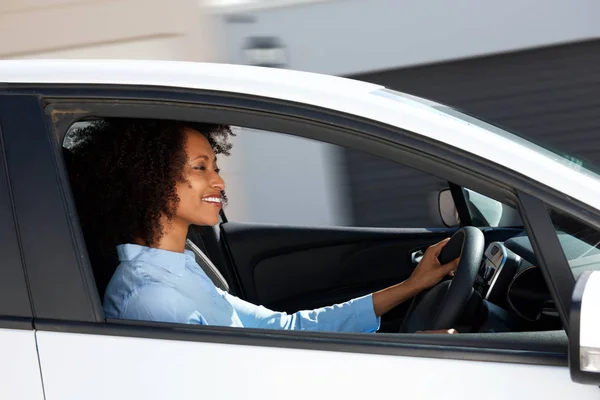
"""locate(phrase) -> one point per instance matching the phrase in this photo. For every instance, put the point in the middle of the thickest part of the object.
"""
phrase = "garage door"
(550, 95)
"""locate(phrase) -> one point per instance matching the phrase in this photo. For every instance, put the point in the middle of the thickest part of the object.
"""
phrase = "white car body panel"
(94, 367)
(339, 94)
(20, 376)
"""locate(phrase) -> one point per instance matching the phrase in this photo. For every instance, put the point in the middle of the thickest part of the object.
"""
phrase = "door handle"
(416, 256)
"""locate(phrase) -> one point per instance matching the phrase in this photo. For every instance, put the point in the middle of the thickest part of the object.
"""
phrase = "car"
(525, 220)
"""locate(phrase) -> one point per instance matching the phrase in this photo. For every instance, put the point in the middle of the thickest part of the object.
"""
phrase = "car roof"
(340, 94)
(270, 82)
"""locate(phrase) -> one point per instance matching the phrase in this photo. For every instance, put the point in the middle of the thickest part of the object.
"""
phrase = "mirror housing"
(584, 329)
(447, 209)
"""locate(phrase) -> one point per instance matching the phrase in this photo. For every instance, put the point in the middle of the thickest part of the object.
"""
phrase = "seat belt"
(207, 266)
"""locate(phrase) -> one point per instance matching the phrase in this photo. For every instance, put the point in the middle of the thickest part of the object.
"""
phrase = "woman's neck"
(174, 236)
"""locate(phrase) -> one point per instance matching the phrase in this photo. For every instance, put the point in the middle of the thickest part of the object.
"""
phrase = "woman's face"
(200, 198)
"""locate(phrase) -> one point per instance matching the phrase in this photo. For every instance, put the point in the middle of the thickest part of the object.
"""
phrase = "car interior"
(291, 268)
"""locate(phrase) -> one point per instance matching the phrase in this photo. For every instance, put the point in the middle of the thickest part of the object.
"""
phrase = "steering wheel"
(441, 306)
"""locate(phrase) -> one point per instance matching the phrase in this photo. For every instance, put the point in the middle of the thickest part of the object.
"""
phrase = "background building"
(530, 66)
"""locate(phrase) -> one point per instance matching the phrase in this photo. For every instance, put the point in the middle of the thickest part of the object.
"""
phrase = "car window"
(299, 181)
(483, 210)
(580, 242)
(486, 211)
(281, 179)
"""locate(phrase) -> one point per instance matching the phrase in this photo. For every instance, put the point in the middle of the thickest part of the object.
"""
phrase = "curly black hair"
(123, 175)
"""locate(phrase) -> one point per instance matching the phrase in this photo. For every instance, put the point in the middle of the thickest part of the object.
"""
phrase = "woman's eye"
(200, 168)
(218, 170)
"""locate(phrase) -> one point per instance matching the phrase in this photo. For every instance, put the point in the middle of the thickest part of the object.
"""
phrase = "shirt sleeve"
(356, 315)
(155, 302)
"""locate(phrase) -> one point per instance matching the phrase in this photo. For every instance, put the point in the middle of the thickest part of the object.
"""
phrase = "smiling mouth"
(217, 201)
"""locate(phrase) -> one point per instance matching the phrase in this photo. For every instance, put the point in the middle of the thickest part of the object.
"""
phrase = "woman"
(140, 184)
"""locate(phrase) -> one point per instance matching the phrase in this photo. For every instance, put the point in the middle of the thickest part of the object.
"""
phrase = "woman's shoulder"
(136, 273)
(131, 278)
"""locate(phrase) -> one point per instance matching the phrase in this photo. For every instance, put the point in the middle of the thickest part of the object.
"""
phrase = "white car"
(525, 299)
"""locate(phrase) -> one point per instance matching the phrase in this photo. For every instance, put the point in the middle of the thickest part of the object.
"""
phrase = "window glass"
(586, 168)
(579, 241)
(486, 211)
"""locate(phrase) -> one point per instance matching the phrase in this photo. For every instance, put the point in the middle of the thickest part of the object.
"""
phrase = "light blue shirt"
(164, 286)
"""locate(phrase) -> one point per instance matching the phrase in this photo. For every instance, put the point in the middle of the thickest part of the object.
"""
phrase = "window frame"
(15, 305)
(304, 121)
(549, 253)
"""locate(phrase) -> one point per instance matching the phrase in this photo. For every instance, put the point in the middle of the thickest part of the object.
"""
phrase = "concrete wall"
(139, 29)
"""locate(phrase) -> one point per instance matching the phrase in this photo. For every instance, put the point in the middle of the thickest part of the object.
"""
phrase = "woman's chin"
(207, 221)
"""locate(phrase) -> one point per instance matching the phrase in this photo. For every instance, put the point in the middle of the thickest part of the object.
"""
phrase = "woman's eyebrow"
(204, 157)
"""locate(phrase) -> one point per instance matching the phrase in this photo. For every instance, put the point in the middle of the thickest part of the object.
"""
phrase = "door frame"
(63, 104)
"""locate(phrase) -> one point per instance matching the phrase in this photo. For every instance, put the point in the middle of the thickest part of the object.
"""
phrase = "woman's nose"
(218, 182)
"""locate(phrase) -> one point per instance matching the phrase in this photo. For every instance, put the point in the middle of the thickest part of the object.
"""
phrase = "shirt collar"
(172, 261)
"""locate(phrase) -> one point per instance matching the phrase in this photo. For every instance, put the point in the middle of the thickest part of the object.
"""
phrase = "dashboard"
(514, 288)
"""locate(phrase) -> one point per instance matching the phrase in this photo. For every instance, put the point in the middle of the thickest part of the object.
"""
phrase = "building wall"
(139, 29)
(344, 37)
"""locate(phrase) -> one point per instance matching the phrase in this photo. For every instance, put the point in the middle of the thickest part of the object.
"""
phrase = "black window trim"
(18, 313)
(549, 253)
(461, 204)
(49, 254)
(301, 120)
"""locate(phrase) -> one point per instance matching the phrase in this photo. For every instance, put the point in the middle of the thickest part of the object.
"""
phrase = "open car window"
(317, 260)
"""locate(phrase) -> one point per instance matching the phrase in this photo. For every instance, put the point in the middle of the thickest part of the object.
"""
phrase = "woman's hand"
(430, 272)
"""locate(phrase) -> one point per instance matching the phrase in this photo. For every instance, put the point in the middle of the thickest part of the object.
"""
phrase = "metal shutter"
(550, 96)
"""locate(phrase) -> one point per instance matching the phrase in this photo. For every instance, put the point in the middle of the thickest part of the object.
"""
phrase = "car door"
(19, 366)
(84, 356)
(291, 268)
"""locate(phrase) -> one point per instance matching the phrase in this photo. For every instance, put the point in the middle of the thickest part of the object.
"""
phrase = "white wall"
(344, 37)
(282, 179)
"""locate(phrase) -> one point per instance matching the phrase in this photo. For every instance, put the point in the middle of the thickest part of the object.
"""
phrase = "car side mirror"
(584, 329)
(447, 209)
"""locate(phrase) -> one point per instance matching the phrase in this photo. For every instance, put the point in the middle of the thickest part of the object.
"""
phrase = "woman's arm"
(352, 316)
(358, 315)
